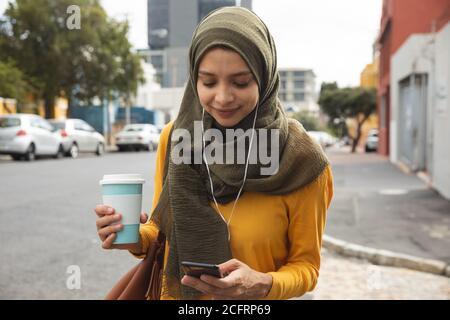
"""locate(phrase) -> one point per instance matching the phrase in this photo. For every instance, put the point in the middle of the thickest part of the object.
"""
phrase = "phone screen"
(195, 269)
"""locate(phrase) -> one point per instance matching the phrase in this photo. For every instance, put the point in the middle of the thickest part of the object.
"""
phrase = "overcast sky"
(332, 37)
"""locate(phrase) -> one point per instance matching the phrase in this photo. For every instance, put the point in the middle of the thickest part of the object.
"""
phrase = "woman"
(264, 231)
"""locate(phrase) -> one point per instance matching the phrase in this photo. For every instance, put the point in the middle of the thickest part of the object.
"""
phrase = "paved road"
(47, 224)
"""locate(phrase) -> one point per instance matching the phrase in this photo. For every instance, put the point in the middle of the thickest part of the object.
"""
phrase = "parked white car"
(137, 137)
(78, 136)
(322, 138)
(28, 136)
(372, 140)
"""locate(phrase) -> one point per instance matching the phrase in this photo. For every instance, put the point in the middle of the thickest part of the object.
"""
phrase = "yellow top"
(276, 234)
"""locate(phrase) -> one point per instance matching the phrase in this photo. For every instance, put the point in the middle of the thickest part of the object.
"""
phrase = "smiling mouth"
(226, 113)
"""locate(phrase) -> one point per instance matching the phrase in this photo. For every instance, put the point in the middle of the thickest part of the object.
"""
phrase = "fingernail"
(110, 210)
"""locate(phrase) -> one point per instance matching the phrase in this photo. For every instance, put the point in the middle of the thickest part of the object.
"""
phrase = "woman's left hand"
(241, 283)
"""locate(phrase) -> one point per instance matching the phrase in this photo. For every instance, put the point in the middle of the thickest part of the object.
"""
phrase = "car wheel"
(100, 149)
(30, 154)
(60, 153)
(74, 151)
(16, 157)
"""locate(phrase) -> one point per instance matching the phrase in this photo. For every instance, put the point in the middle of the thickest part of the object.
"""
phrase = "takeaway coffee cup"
(123, 192)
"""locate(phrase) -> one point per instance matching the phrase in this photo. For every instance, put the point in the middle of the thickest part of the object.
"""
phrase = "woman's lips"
(225, 113)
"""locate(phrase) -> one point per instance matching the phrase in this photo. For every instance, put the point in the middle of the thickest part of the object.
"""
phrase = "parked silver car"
(27, 136)
(372, 140)
(323, 138)
(78, 136)
(138, 136)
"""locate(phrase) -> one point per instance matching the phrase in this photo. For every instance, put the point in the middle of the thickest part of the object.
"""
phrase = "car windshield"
(58, 125)
(9, 122)
(133, 128)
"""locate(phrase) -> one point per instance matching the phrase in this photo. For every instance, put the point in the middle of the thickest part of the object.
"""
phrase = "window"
(206, 6)
(59, 125)
(299, 73)
(34, 122)
(158, 23)
(87, 127)
(133, 129)
(78, 125)
(299, 84)
(299, 96)
(9, 122)
(45, 125)
(157, 61)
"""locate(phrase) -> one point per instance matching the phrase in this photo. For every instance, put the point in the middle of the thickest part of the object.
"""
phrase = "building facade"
(144, 93)
(400, 19)
(297, 90)
(171, 24)
(415, 88)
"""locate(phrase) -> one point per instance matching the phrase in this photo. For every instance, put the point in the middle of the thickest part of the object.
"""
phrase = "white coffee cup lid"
(122, 178)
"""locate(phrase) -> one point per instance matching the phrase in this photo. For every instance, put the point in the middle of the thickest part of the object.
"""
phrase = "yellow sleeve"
(307, 216)
(149, 231)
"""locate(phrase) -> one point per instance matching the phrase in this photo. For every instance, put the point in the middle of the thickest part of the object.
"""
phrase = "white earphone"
(245, 171)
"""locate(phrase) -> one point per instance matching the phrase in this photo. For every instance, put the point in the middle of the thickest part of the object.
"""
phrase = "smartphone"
(195, 269)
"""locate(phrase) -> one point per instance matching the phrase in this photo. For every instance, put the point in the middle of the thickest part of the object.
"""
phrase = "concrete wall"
(409, 59)
(428, 54)
(441, 101)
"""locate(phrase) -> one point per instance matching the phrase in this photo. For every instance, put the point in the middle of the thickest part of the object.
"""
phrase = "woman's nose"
(224, 96)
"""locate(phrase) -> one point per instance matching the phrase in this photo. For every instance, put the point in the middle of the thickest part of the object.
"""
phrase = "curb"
(385, 257)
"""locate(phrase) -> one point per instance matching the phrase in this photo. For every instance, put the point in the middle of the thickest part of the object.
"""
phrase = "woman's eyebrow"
(240, 73)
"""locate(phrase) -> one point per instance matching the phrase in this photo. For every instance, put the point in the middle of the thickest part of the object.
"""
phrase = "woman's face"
(226, 87)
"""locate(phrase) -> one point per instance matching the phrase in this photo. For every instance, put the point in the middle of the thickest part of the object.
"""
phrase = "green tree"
(342, 103)
(12, 82)
(93, 61)
(309, 121)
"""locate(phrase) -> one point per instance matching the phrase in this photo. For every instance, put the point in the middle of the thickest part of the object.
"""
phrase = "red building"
(400, 19)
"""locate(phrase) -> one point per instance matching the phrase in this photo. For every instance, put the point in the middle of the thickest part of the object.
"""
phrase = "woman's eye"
(241, 85)
(209, 84)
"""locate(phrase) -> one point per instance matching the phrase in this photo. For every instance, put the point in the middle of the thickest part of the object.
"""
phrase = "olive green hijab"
(194, 229)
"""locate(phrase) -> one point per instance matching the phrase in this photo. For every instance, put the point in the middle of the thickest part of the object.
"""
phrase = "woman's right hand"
(106, 216)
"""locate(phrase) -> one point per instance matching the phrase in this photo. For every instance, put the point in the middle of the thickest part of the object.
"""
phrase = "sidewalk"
(376, 205)
(344, 278)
